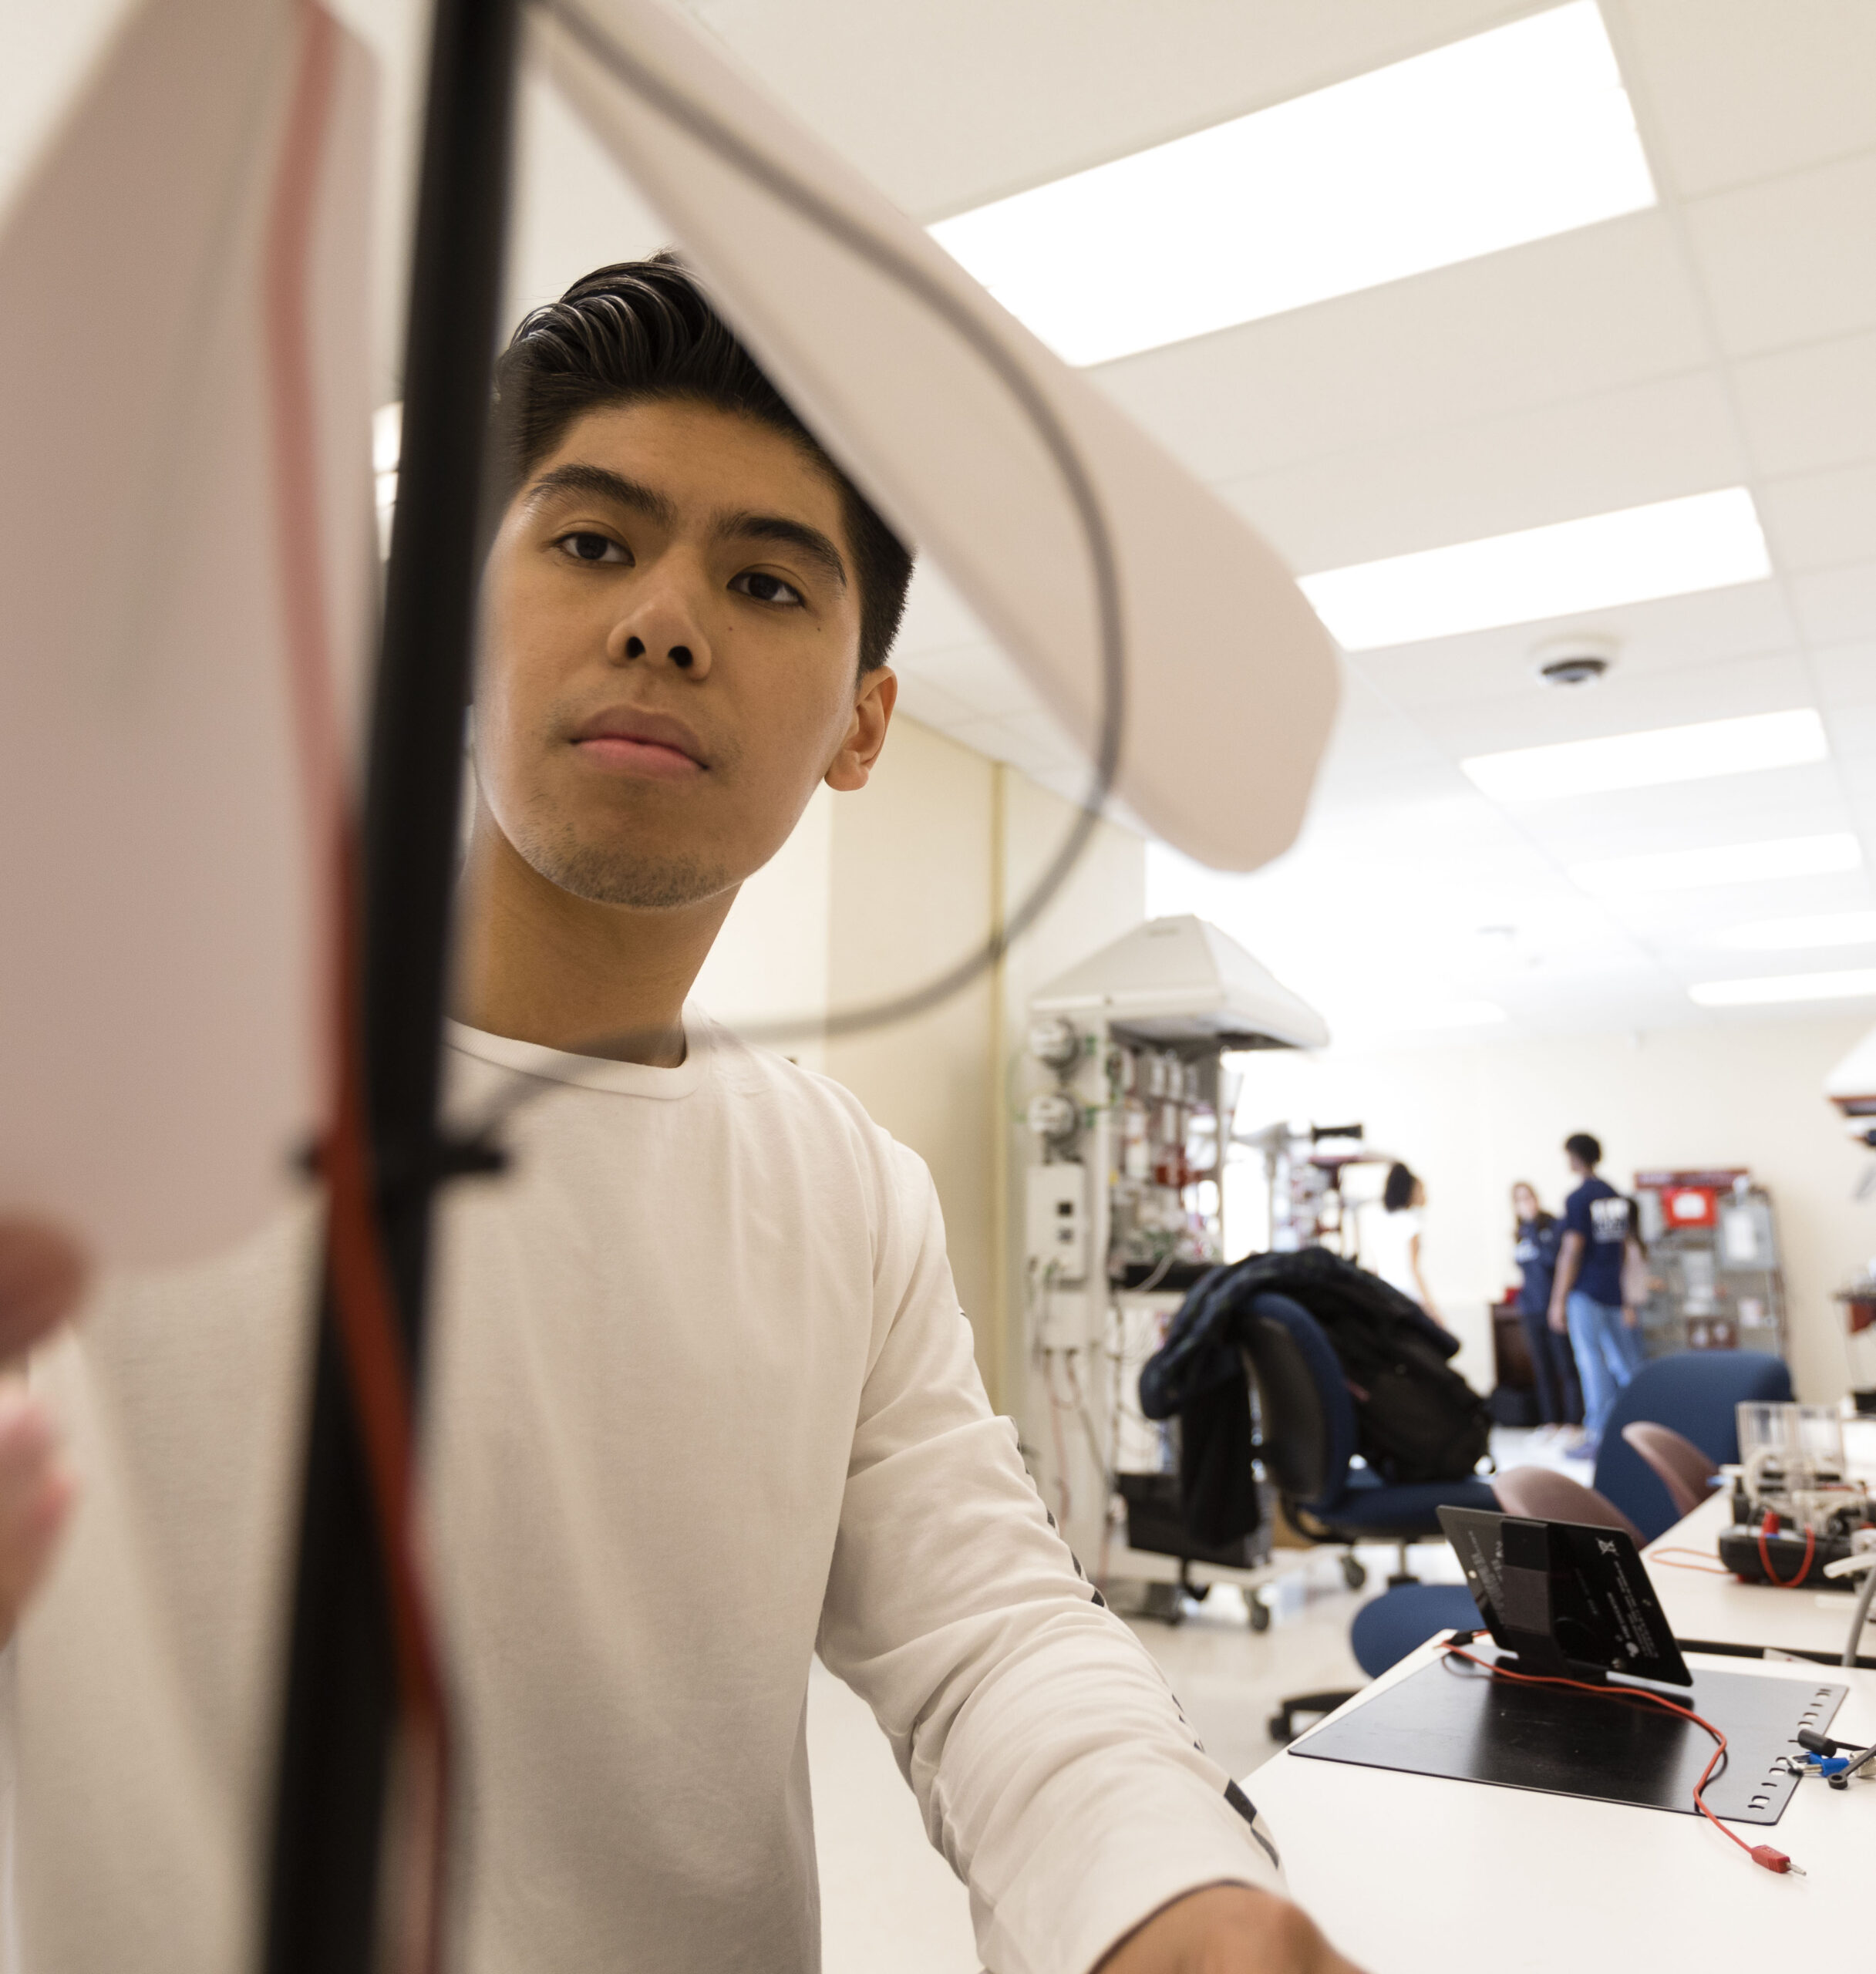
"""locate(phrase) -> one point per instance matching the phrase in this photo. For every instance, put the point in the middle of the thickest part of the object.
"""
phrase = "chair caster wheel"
(1260, 1614)
(1165, 1604)
(1354, 1572)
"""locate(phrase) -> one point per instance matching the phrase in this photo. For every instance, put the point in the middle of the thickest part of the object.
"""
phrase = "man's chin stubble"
(606, 875)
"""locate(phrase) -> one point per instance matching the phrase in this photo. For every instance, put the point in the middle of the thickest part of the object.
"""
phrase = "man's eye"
(764, 587)
(583, 546)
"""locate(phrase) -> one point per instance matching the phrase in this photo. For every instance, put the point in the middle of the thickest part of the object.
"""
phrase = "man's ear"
(866, 732)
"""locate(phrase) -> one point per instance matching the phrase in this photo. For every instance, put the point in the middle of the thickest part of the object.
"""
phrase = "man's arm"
(1050, 1760)
(1569, 1260)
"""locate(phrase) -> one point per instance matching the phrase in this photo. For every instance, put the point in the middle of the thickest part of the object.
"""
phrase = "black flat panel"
(1451, 1719)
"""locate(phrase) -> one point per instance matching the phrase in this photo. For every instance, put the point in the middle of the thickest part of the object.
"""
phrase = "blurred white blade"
(159, 977)
(1231, 686)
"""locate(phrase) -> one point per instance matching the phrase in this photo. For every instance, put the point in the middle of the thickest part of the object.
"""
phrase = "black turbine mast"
(340, 1693)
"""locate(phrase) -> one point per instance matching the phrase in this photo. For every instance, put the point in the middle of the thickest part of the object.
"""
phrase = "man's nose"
(662, 626)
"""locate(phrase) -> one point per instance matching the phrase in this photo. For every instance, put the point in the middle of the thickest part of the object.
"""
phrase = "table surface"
(1702, 1605)
(1414, 1874)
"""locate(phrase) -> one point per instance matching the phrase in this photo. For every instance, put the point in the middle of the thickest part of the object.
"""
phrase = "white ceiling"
(1728, 336)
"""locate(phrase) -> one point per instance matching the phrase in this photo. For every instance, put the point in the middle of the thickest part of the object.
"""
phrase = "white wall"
(1471, 1118)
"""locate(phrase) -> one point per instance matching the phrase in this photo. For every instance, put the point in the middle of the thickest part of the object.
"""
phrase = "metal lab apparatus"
(1129, 1121)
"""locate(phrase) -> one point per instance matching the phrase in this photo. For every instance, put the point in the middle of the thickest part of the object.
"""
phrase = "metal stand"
(323, 1903)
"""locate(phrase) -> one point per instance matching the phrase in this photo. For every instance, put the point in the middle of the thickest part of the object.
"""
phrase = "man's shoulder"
(806, 1098)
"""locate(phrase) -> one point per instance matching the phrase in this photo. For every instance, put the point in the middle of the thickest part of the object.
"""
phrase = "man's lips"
(651, 744)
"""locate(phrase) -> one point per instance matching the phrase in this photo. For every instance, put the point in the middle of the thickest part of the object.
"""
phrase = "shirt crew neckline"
(599, 1072)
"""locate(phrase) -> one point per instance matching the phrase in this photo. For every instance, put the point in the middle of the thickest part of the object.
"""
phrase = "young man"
(1586, 1292)
(702, 1402)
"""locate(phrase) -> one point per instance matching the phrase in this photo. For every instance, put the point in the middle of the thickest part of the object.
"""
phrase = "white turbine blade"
(159, 978)
(1231, 684)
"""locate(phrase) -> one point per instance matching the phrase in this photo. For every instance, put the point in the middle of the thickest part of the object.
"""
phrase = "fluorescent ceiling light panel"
(1506, 137)
(1647, 760)
(1853, 983)
(1670, 548)
(1823, 928)
(1719, 864)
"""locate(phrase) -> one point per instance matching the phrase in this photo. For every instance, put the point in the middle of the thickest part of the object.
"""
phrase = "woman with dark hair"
(1536, 1236)
(1391, 1237)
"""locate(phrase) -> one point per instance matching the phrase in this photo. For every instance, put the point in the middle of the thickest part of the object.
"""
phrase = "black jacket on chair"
(1417, 1420)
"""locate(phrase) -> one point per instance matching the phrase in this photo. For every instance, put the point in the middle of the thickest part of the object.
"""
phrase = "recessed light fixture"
(1648, 759)
(1670, 548)
(1508, 136)
(1720, 864)
(1823, 928)
(1850, 984)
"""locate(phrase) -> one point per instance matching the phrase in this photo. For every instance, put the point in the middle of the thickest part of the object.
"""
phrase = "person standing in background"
(1536, 1238)
(1586, 1294)
(1392, 1238)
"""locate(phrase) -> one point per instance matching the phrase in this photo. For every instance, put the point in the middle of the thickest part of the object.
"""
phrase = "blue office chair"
(1307, 1443)
(1401, 1620)
(1694, 1392)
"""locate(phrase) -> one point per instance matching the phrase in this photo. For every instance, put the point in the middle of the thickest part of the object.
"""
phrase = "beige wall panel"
(910, 870)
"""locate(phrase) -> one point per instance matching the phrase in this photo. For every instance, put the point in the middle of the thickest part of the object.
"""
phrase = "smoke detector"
(1579, 658)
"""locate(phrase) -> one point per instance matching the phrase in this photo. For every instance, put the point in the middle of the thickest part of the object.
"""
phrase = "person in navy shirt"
(1586, 1292)
(1536, 1238)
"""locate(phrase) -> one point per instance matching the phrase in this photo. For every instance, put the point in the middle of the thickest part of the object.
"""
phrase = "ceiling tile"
(1836, 605)
(947, 103)
(1737, 89)
(1853, 740)
(1749, 621)
(1812, 407)
(930, 705)
(574, 209)
(936, 616)
(1624, 448)
(1629, 701)
(1790, 259)
(1562, 319)
(1742, 808)
(1818, 520)
(1846, 674)
(978, 676)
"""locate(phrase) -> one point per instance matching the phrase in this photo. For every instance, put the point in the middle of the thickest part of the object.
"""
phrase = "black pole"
(340, 1696)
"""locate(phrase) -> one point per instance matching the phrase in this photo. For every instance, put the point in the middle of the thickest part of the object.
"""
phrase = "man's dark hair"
(1580, 1144)
(645, 330)
(1397, 1194)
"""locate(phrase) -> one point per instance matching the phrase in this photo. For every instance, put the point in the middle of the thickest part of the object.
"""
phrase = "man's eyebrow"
(601, 484)
(743, 526)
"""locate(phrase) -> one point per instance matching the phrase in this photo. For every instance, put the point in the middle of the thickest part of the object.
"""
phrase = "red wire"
(364, 1303)
(1770, 1527)
(1760, 1854)
(1708, 1565)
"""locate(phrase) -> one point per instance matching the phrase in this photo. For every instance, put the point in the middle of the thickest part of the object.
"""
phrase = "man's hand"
(1559, 1321)
(41, 1276)
(1227, 1929)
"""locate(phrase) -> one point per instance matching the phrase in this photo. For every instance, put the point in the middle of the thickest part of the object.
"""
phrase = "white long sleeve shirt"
(702, 1402)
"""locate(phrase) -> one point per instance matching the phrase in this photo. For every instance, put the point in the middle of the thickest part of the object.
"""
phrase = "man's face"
(670, 661)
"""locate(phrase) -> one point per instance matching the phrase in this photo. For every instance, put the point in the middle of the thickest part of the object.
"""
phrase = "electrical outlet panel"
(1058, 1244)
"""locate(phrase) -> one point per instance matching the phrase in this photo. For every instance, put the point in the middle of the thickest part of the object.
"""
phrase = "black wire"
(731, 147)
